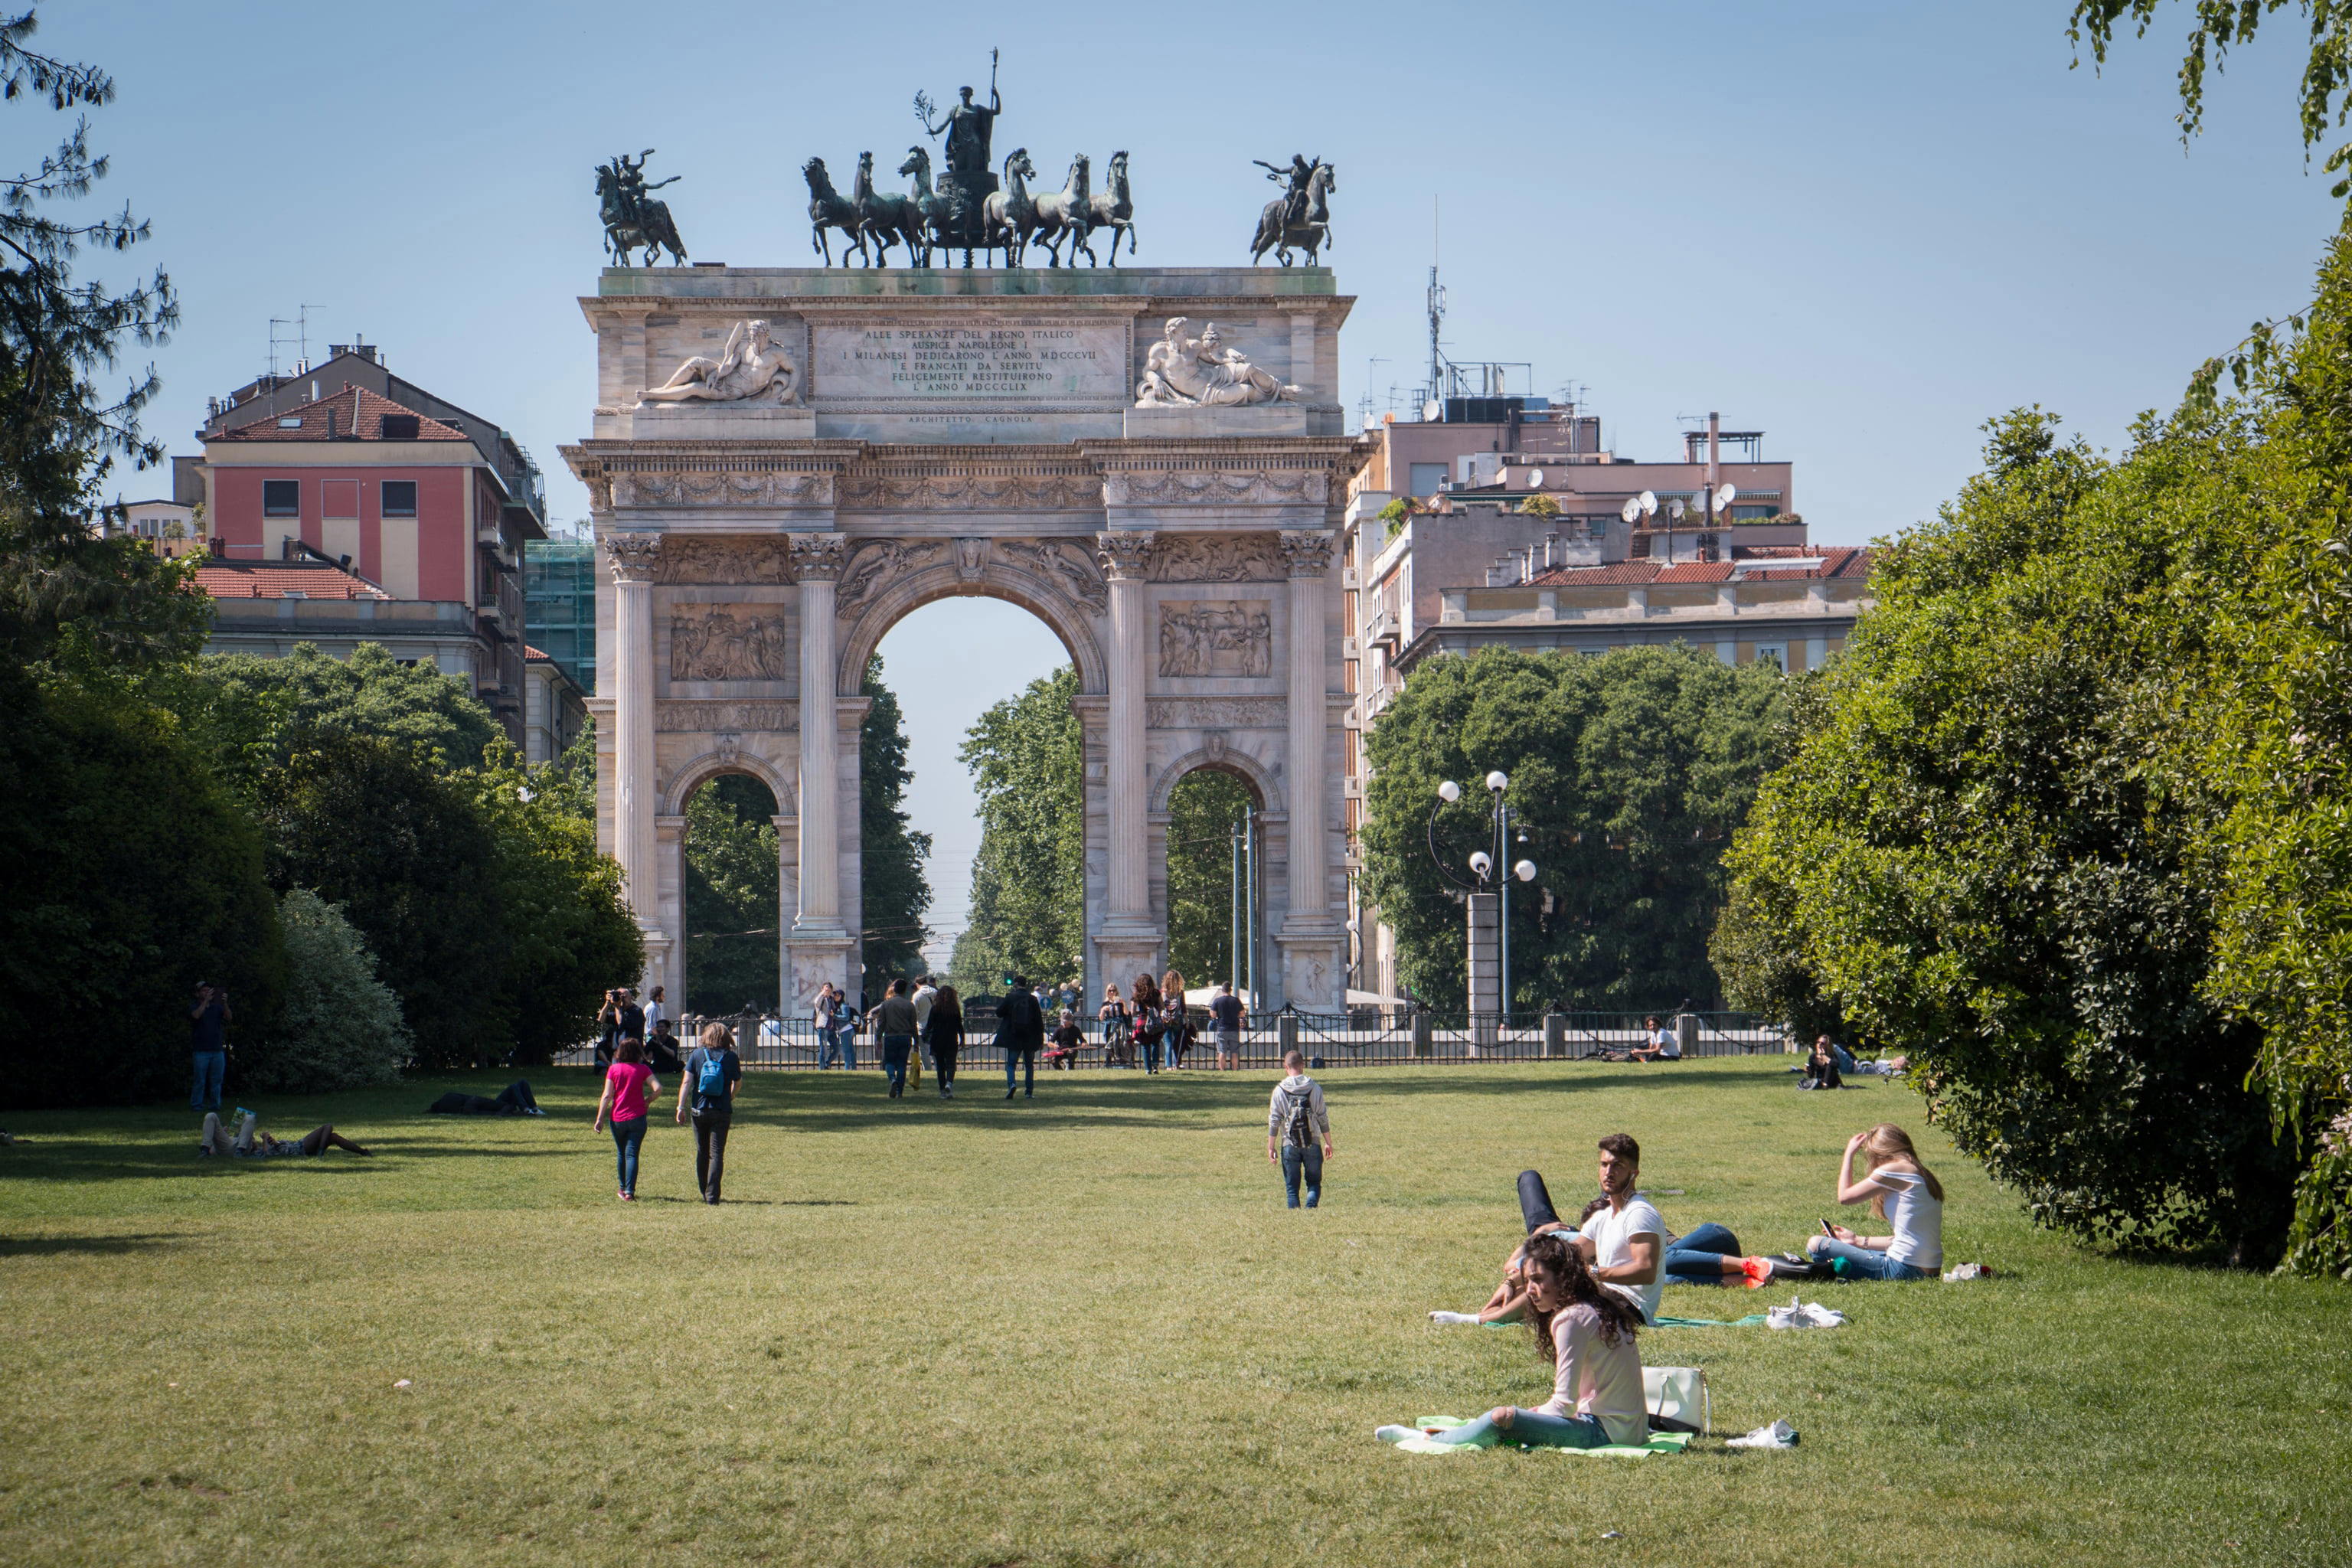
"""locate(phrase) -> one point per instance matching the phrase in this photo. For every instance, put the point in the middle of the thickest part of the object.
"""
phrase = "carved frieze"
(717, 487)
(1216, 558)
(876, 561)
(1194, 487)
(1216, 637)
(632, 557)
(727, 560)
(816, 557)
(1218, 712)
(970, 492)
(728, 642)
(700, 718)
(1061, 562)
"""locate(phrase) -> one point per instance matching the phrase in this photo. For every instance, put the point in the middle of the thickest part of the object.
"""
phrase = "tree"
(566, 933)
(63, 591)
(731, 896)
(1539, 505)
(1628, 771)
(406, 852)
(1202, 810)
(894, 892)
(342, 1027)
(1027, 757)
(131, 874)
(252, 710)
(1989, 848)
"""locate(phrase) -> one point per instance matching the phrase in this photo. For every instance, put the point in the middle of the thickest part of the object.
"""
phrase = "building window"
(399, 427)
(281, 498)
(1774, 655)
(400, 498)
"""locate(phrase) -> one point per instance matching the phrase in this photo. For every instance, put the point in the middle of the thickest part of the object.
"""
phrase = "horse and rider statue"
(633, 217)
(1301, 216)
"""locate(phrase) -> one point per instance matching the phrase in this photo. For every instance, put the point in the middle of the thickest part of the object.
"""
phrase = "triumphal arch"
(784, 462)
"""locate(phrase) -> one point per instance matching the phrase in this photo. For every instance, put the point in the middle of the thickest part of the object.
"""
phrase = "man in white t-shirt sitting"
(1624, 1242)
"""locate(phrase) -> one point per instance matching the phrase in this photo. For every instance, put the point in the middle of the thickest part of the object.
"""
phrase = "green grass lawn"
(1083, 1330)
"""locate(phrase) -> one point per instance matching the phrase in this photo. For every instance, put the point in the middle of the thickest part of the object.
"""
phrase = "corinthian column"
(1309, 555)
(1125, 557)
(816, 563)
(634, 559)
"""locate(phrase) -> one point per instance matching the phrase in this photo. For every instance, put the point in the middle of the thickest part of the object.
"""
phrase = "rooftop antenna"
(1436, 303)
(300, 338)
(1365, 407)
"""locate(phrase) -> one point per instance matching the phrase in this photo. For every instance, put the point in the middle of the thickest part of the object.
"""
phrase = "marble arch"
(985, 432)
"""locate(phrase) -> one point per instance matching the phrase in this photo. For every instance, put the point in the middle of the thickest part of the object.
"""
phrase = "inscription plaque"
(980, 363)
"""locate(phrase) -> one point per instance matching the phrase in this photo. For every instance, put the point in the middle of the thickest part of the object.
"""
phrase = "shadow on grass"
(54, 1246)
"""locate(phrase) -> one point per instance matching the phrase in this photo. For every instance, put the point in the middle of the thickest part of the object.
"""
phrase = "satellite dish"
(1725, 496)
(1649, 503)
(1632, 509)
(1674, 506)
(1535, 478)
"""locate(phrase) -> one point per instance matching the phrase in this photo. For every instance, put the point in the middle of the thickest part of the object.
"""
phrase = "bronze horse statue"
(885, 218)
(829, 209)
(1114, 208)
(1065, 214)
(931, 208)
(1276, 233)
(1010, 216)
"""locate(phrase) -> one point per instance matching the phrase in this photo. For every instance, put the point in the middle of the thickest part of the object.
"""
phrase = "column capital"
(1125, 553)
(634, 557)
(1306, 551)
(816, 557)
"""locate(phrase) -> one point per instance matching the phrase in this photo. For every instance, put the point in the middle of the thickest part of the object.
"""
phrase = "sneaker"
(1008, 1094)
(1395, 1433)
(1758, 1271)
(1453, 1317)
(1779, 1435)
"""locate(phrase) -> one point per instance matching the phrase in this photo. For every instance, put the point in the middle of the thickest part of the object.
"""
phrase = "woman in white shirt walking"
(1899, 1189)
(1586, 1331)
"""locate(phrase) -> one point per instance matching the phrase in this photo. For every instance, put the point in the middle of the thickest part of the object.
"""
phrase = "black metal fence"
(1364, 1036)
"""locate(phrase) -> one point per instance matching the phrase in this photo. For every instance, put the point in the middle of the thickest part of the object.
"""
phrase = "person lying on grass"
(253, 1143)
(1586, 1331)
(1899, 1189)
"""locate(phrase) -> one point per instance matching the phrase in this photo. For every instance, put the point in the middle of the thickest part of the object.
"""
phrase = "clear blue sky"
(1860, 227)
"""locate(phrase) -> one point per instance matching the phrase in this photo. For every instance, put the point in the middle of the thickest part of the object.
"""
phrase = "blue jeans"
(828, 1046)
(1025, 1058)
(628, 1137)
(212, 1067)
(1862, 1262)
(1534, 1429)
(1304, 1159)
(896, 1049)
(1693, 1259)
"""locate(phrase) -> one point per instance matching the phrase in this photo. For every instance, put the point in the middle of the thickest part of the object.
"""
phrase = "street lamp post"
(1489, 869)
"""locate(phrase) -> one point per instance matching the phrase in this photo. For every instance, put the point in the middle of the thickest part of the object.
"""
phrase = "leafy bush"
(342, 1027)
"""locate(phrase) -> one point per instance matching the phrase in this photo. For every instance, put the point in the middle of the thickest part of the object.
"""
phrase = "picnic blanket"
(1752, 1321)
(1659, 1443)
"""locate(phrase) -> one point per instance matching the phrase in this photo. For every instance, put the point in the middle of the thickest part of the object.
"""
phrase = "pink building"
(407, 503)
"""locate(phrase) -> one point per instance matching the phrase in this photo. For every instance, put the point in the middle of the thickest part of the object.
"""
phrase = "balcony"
(1385, 628)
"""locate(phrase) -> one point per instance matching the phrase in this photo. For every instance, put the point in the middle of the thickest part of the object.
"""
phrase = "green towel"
(1659, 1443)
(1752, 1321)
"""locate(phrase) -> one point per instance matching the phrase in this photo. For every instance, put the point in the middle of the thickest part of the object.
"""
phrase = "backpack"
(1298, 1121)
(710, 1078)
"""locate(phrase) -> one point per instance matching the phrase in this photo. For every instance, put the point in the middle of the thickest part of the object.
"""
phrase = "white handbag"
(1677, 1398)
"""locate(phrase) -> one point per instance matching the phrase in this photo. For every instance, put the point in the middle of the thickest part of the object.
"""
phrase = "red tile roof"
(1752, 562)
(534, 656)
(274, 580)
(353, 409)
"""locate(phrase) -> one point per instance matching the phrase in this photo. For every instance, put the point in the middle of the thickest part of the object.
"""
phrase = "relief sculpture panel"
(1216, 637)
(728, 642)
(1216, 558)
(1068, 567)
(876, 563)
(730, 561)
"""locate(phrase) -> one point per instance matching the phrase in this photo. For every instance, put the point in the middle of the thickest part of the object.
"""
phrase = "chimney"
(219, 548)
(1714, 455)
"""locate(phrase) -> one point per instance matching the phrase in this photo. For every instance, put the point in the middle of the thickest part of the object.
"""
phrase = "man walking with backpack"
(712, 1072)
(1296, 1124)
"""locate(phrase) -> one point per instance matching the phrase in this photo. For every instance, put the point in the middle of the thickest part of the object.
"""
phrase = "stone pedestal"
(718, 422)
(1194, 423)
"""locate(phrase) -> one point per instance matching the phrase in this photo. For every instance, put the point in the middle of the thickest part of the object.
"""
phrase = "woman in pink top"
(1586, 1331)
(628, 1083)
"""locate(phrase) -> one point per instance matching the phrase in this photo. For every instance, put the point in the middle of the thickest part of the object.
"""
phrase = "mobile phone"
(1828, 1229)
